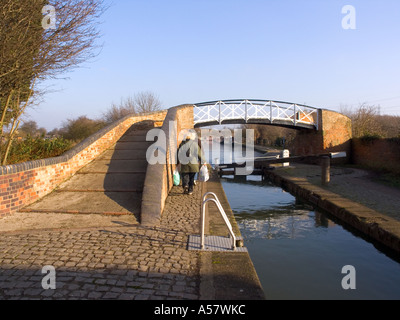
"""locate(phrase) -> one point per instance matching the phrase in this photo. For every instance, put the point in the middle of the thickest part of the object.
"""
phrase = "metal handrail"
(223, 214)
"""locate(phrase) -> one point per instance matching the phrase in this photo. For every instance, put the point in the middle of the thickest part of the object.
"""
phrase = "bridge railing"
(253, 111)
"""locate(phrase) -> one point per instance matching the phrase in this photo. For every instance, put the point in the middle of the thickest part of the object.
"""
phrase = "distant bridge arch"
(250, 111)
(320, 130)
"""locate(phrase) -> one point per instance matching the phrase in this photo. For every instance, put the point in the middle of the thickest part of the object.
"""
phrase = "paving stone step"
(112, 154)
(108, 181)
(116, 166)
(134, 138)
(132, 145)
(89, 203)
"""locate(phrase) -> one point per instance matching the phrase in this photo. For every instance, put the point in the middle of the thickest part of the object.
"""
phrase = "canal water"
(299, 252)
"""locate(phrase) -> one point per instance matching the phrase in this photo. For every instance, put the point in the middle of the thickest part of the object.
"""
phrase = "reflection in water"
(276, 225)
(274, 215)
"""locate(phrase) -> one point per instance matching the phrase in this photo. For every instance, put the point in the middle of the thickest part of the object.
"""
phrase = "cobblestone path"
(121, 262)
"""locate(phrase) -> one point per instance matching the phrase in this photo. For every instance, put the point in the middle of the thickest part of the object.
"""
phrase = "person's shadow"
(127, 165)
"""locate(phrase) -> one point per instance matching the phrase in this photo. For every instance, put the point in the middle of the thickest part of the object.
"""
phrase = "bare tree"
(20, 37)
(142, 102)
(116, 112)
(364, 120)
(30, 54)
(74, 39)
(146, 101)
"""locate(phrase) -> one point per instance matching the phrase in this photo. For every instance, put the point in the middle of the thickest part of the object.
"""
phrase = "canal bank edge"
(381, 228)
(226, 275)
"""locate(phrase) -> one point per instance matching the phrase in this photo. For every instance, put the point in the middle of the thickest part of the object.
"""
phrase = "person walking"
(190, 156)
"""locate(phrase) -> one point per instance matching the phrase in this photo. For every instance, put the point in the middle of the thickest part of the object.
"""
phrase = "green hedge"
(31, 148)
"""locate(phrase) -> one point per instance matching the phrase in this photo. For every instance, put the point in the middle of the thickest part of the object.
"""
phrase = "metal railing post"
(270, 112)
(219, 110)
(202, 223)
(245, 112)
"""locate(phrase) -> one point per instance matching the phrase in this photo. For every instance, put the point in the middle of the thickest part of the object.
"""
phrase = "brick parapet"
(159, 177)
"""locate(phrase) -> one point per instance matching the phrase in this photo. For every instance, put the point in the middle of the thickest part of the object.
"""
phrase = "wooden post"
(325, 170)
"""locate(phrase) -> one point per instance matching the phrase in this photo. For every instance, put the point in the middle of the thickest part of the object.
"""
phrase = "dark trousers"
(188, 180)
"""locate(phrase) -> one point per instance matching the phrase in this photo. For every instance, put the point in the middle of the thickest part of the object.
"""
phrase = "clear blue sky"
(189, 51)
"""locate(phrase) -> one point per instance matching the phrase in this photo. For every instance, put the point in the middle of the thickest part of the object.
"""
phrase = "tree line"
(82, 127)
(32, 142)
(367, 121)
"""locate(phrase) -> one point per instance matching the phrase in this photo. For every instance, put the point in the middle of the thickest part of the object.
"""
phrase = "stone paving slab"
(112, 154)
(106, 182)
(116, 166)
(134, 137)
(34, 221)
(135, 132)
(132, 145)
(89, 203)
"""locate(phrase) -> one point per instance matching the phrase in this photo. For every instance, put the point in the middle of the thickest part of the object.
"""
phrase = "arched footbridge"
(319, 130)
(248, 111)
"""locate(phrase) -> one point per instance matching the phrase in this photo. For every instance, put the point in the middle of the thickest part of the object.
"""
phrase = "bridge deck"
(110, 185)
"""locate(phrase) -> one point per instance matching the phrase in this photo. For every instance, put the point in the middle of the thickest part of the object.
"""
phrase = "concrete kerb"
(226, 275)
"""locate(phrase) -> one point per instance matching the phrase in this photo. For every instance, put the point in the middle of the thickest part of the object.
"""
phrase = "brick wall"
(159, 177)
(334, 135)
(25, 183)
(377, 154)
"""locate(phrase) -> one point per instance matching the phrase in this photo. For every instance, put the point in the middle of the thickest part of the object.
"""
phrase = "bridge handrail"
(248, 109)
(261, 101)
